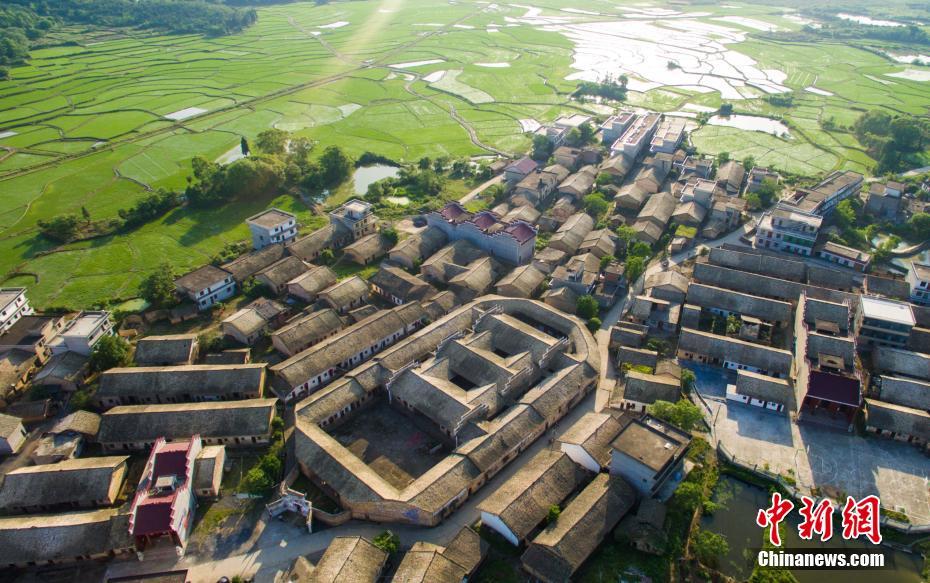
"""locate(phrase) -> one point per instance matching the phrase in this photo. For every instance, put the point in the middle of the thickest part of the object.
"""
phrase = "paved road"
(280, 543)
(481, 188)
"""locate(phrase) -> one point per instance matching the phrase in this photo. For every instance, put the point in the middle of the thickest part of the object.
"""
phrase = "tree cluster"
(19, 26)
(890, 139)
(682, 414)
(149, 208)
(609, 88)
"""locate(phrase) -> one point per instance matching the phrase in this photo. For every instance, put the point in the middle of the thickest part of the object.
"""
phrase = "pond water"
(750, 122)
(869, 21)
(735, 519)
(367, 174)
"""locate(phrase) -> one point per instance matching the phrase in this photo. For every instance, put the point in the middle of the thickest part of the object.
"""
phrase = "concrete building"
(823, 198)
(616, 125)
(649, 454)
(758, 175)
(634, 140)
(206, 286)
(353, 220)
(513, 243)
(789, 230)
(883, 322)
(83, 332)
(13, 305)
(272, 226)
(918, 277)
(32, 334)
(884, 200)
(668, 135)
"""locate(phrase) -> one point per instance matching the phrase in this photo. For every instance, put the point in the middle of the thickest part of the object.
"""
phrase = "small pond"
(368, 174)
(735, 519)
(751, 122)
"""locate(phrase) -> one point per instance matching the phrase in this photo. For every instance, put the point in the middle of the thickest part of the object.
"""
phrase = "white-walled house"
(206, 286)
(83, 333)
(272, 226)
(13, 306)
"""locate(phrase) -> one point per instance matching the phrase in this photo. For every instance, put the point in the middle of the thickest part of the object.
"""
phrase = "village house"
(83, 332)
(367, 249)
(521, 282)
(411, 252)
(32, 334)
(536, 186)
(454, 563)
(248, 264)
(649, 454)
(637, 389)
(668, 135)
(64, 372)
(639, 133)
(12, 434)
(137, 427)
(513, 243)
(600, 243)
(521, 503)
(67, 485)
(399, 287)
(884, 200)
(450, 261)
(572, 233)
(730, 175)
(587, 441)
(67, 438)
(580, 183)
(350, 558)
(208, 471)
(180, 384)
(277, 275)
(166, 350)
(564, 545)
(318, 365)
(696, 167)
(519, 169)
(206, 286)
(758, 175)
(250, 323)
(308, 285)
(918, 277)
(845, 256)
(616, 125)
(646, 529)
(305, 331)
(898, 422)
(883, 322)
(352, 220)
(345, 295)
(309, 247)
(164, 505)
(831, 191)
(13, 305)
(567, 157)
(271, 227)
(70, 537)
(617, 167)
(654, 217)
(789, 230)
(579, 274)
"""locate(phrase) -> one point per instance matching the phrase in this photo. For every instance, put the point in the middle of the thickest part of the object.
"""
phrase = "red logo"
(860, 518)
(773, 515)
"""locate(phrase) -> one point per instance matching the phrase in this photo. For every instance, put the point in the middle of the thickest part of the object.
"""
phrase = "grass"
(91, 112)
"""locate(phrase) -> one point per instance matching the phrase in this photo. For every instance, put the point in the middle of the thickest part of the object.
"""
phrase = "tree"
(748, 163)
(61, 228)
(709, 547)
(625, 234)
(594, 324)
(387, 541)
(542, 148)
(687, 380)
(85, 213)
(109, 352)
(657, 345)
(586, 307)
(919, 226)
(726, 109)
(733, 325)
(390, 235)
(683, 414)
(553, 514)
(633, 269)
(273, 141)
(595, 205)
(158, 288)
(335, 165)
(639, 249)
(424, 163)
(767, 192)
(607, 260)
(257, 482)
(586, 132)
(244, 146)
(753, 201)
(687, 496)
(327, 256)
(723, 157)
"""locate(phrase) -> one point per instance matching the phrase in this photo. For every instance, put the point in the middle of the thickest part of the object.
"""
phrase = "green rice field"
(98, 123)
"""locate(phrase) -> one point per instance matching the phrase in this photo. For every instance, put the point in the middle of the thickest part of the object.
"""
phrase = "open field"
(97, 124)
